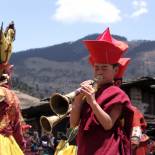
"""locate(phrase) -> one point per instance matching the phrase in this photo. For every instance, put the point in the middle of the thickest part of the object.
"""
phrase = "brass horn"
(60, 104)
(48, 123)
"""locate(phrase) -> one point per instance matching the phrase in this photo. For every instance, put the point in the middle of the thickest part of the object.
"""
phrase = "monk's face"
(105, 72)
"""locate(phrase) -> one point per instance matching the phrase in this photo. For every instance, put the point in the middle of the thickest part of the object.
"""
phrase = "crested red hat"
(105, 49)
(123, 63)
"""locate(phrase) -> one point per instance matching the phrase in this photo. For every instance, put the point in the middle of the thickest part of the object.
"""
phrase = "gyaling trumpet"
(60, 103)
(48, 123)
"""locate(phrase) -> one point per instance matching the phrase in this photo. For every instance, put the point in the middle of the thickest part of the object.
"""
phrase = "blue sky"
(41, 23)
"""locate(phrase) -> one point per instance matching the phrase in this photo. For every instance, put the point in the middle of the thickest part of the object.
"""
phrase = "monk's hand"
(80, 95)
(89, 92)
(79, 98)
(87, 82)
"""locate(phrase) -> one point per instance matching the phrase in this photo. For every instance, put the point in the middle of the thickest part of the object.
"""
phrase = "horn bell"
(48, 123)
(60, 103)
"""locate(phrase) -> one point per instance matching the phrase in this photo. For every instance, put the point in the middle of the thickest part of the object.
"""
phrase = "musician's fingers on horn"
(84, 91)
(87, 82)
(87, 89)
(88, 86)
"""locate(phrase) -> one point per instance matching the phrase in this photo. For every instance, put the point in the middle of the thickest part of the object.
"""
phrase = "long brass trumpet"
(60, 103)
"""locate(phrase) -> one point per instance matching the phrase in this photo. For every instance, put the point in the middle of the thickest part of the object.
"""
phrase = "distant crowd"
(40, 145)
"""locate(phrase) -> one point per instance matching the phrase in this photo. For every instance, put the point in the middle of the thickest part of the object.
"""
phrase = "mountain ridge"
(62, 67)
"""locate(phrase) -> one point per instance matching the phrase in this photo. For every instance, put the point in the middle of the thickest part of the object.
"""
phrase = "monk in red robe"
(139, 140)
(99, 112)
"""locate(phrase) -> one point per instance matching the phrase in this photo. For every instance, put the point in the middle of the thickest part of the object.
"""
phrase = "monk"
(98, 110)
(139, 140)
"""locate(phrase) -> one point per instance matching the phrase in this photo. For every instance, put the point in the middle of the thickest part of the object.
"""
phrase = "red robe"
(92, 139)
(139, 121)
(10, 117)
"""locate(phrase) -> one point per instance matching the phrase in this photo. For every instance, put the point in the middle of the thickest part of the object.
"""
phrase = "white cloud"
(96, 11)
(140, 7)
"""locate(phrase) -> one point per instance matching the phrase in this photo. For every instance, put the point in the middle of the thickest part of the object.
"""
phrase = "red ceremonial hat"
(105, 49)
(123, 63)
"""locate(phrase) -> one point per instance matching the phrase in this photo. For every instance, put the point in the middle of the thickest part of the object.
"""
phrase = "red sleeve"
(112, 96)
(17, 125)
(138, 119)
